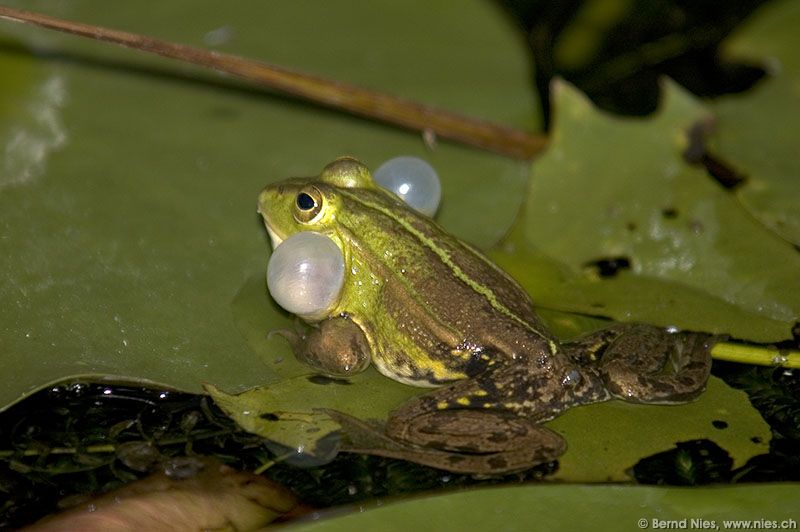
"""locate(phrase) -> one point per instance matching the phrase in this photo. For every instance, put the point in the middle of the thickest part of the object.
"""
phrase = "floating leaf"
(618, 189)
(753, 134)
(122, 255)
(628, 297)
(606, 440)
(565, 507)
(289, 412)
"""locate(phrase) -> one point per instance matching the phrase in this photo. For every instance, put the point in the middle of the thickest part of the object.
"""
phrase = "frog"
(427, 309)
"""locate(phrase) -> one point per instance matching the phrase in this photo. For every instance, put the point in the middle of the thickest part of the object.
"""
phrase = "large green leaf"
(563, 507)
(604, 440)
(128, 207)
(611, 187)
(130, 248)
(754, 131)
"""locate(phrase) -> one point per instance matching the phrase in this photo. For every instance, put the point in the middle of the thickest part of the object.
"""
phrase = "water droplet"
(219, 36)
(572, 378)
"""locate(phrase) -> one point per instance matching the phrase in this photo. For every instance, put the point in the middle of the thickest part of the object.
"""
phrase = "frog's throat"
(273, 236)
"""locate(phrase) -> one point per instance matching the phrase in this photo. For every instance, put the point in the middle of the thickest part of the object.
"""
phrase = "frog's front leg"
(647, 364)
(336, 346)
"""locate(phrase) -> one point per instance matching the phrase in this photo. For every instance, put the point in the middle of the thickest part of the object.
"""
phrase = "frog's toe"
(680, 375)
(294, 337)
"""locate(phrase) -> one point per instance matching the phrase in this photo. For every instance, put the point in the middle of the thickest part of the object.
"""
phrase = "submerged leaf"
(213, 496)
(616, 50)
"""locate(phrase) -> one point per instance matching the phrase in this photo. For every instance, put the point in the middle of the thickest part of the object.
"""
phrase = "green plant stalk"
(92, 449)
(103, 447)
(756, 354)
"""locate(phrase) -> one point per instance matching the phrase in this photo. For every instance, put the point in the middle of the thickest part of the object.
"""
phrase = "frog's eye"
(308, 205)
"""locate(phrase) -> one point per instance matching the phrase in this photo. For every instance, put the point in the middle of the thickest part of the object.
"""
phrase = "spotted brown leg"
(492, 421)
(523, 444)
(646, 364)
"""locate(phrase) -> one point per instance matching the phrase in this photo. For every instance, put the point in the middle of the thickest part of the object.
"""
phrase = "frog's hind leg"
(647, 364)
(478, 441)
(492, 432)
(515, 386)
(495, 415)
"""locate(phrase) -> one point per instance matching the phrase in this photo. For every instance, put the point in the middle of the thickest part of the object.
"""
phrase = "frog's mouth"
(273, 236)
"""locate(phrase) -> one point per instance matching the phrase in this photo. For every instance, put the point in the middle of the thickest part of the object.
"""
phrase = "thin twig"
(371, 104)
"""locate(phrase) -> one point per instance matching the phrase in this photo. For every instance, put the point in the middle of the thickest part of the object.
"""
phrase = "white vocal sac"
(414, 180)
(305, 274)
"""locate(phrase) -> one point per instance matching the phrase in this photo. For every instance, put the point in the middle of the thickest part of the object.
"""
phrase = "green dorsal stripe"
(429, 243)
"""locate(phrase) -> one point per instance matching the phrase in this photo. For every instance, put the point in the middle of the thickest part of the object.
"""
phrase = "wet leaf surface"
(129, 221)
(752, 133)
(619, 188)
(131, 248)
(560, 507)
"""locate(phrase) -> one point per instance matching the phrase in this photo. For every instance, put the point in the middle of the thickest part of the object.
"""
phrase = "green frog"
(428, 309)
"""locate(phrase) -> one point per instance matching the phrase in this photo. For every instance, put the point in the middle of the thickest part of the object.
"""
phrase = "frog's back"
(443, 301)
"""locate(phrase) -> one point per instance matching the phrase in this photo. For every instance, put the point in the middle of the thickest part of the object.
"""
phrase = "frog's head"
(311, 204)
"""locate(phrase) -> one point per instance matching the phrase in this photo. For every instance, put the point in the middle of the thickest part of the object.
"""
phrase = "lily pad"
(614, 189)
(563, 507)
(753, 134)
(123, 252)
(604, 440)
(607, 439)
(629, 297)
(129, 254)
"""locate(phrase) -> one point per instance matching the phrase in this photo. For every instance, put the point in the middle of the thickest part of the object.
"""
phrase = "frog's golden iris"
(429, 310)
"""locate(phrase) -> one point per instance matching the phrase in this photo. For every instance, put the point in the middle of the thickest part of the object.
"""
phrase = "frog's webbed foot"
(295, 336)
(647, 364)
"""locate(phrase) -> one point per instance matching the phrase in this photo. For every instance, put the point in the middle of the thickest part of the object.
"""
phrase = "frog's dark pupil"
(305, 202)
